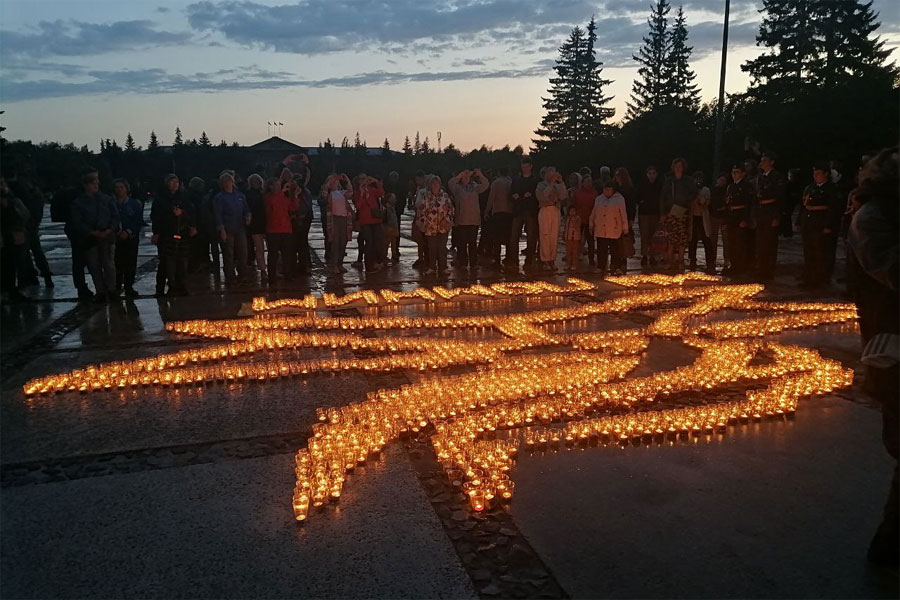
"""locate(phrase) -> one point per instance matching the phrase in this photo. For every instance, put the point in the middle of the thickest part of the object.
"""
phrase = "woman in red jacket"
(371, 215)
(279, 204)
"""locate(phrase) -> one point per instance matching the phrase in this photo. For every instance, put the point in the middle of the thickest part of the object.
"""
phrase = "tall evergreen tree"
(129, 143)
(386, 147)
(204, 140)
(560, 121)
(417, 145)
(426, 146)
(154, 142)
(357, 142)
(683, 92)
(593, 102)
(407, 147)
(345, 143)
(650, 89)
(178, 140)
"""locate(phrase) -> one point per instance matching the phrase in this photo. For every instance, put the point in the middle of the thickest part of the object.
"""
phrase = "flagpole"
(720, 107)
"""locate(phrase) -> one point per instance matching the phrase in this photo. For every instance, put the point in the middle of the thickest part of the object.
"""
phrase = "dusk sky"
(474, 70)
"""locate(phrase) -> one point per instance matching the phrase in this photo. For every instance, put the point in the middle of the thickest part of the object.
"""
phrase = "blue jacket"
(131, 213)
(230, 212)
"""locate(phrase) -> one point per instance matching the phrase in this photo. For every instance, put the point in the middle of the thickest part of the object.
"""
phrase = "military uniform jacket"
(771, 188)
(739, 201)
(822, 205)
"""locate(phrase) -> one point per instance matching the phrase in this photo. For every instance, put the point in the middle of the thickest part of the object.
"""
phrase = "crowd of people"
(256, 229)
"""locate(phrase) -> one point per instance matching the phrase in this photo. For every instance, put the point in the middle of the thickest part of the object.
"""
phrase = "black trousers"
(79, 263)
(698, 234)
(12, 266)
(126, 261)
(740, 242)
(300, 245)
(608, 249)
(281, 247)
(530, 223)
(37, 253)
(466, 245)
(766, 243)
(499, 227)
(814, 250)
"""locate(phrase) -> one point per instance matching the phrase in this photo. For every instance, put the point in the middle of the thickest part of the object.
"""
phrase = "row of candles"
(374, 298)
(270, 333)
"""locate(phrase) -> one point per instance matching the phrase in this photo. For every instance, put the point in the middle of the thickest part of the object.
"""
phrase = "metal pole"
(720, 107)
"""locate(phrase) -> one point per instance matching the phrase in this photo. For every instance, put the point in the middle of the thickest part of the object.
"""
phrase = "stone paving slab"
(782, 510)
(226, 531)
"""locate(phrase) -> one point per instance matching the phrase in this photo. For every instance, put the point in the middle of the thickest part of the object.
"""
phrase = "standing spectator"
(33, 200)
(500, 216)
(572, 236)
(208, 220)
(648, 194)
(583, 202)
(301, 221)
(525, 211)
(625, 186)
(257, 227)
(770, 193)
(701, 227)
(232, 216)
(467, 208)
(131, 214)
(822, 207)
(391, 226)
(718, 219)
(13, 231)
(608, 223)
(873, 236)
(551, 193)
(414, 195)
(96, 224)
(738, 200)
(279, 206)
(678, 193)
(436, 211)
(204, 240)
(371, 216)
(173, 226)
(338, 191)
(61, 206)
(393, 196)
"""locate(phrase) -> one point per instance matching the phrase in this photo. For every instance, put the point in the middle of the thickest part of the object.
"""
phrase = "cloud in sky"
(78, 38)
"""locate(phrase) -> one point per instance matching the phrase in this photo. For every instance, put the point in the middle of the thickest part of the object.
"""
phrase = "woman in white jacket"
(608, 223)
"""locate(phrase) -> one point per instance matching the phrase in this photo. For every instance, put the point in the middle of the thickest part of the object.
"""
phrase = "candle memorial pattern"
(530, 388)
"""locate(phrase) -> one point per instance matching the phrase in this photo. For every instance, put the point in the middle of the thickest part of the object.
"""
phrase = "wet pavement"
(162, 492)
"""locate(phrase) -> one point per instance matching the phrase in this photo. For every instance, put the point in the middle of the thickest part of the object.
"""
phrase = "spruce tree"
(592, 100)
(204, 140)
(417, 145)
(154, 142)
(426, 146)
(129, 143)
(386, 147)
(178, 141)
(357, 142)
(683, 92)
(407, 147)
(560, 122)
(650, 89)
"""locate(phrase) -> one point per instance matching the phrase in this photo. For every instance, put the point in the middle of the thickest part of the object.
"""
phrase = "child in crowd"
(391, 224)
(572, 237)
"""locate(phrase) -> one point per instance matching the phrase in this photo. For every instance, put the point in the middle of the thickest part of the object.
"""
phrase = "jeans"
(234, 256)
(437, 251)
(467, 245)
(372, 242)
(548, 222)
(530, 223)
(101, 266)
(338, 241)
(126, 261)
(280, 247)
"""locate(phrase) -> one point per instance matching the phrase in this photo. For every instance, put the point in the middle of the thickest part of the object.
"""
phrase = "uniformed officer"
(769, 198)
(822, 206)
(738, 203)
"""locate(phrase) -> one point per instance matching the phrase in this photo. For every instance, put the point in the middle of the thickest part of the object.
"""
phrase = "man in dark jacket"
(769, 197)
(738, 202)
(95, 223)
(33, 199)
(648, 193)
(525, 210)
(173, 225)
(821, 210)
(62, 207)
